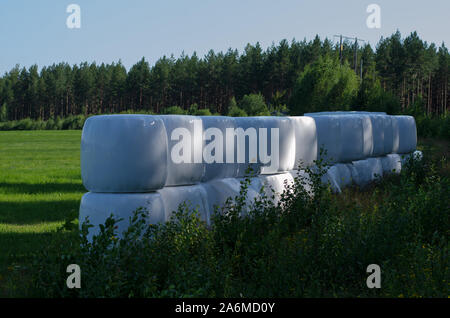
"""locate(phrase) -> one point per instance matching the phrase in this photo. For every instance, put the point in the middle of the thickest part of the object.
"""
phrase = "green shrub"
(254, 105)
(324, 85)
(237, 112)
(305, 246)
(428, 126)
(173, 110)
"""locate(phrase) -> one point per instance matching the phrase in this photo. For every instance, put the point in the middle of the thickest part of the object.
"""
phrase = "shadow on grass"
(36, 188)
(36, 212)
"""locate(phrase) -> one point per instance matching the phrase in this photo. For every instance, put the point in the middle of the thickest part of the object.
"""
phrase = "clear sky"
(35, 32)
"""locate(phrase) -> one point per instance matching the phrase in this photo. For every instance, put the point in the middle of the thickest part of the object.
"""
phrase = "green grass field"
(41, 188)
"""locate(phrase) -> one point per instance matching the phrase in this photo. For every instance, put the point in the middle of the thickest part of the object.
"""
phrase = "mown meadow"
(40, 188)
(315, 246)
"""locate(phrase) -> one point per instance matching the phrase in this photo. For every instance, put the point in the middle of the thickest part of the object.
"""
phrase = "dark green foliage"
(324, 85)
(305, 246)
(254, 105)
(68, 123)
(195, 111)
(173, 110)
(433, 126)
(306, 76)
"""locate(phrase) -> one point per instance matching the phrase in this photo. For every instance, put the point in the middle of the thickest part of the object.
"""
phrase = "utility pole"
(362, 62)
(341, 48)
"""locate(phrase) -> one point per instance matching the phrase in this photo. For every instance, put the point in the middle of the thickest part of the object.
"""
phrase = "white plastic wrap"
(179, 170)
(378, 131)
(405, 134)
(332, 177)
(305, 179)
(366, 171)
(194, 196)
(276, 132)
(328, 137)
(305, 141)
(276, 184)
(345, 174)
(368, 138)
(99, 206)
(123, 153)
(352, 138)
(391, 163)
(286, 144)
(338, 176)
(216, 169)
(388, 135)
(248, 149)
(382, 134)
(218, 191)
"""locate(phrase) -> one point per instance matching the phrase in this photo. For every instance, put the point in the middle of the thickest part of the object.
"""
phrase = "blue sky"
(35, 32)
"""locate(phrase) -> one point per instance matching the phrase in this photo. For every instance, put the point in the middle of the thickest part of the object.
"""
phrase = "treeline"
(400, 75)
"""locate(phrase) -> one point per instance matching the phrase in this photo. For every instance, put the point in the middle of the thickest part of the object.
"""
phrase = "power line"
(341, 48)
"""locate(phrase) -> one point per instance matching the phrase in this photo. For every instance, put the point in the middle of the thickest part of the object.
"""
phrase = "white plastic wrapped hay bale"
(328, 137)
(391, 163)
(338, 176)
(194, 196)
(366, 171)
(276, 184)
(244, 144)
(123, 153)
(388, 135)
(286, 147)
(304, 178)
(404, 134)
(218, 191)
(185, 145)
(376, 168)
(332, 177)
(350, 145)
(368, 138)
(352, 137)
(356, 135)
(378, 129)
(215, 134)
(99, 206)
(265, 144)
(345, 174)
(382, 134)
(305, 141)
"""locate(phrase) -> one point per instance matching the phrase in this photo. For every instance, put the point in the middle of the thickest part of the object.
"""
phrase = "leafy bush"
(254, 105)
(236, 112)
(195, 111)
(173, 110)
(428, 126)
(310, 244)
(324, 85)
